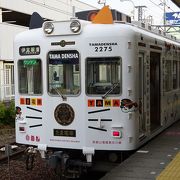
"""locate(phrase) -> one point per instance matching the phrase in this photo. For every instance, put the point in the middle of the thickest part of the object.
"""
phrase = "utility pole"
(140, 12)
(164, 17)
(164, 14)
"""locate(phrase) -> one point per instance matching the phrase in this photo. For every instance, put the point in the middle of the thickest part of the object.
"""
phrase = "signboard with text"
(173, 18)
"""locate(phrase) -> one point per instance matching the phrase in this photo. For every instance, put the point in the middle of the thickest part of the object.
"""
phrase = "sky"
(154, 8)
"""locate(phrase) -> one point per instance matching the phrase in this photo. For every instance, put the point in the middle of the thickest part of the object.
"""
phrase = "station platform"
(159, 159)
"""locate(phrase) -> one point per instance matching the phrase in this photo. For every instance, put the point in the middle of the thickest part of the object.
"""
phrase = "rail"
(15, 150)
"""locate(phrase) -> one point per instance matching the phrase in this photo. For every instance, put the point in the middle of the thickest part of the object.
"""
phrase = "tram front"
(68, 90)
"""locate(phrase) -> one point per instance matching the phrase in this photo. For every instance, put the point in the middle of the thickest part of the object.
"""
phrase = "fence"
(6, 84)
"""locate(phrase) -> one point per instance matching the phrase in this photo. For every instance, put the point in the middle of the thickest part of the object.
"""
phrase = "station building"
(14, 18)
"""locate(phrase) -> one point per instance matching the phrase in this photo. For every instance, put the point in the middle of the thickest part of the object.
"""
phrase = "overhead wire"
(166, 5)
(158, 5)
(157, 13)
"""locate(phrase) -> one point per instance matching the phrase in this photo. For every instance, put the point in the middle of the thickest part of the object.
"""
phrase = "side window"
(167, 76)
(103, 75)
(175, 75)
(30, 76)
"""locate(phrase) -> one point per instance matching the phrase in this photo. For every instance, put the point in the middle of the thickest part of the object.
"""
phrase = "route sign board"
(173, 18)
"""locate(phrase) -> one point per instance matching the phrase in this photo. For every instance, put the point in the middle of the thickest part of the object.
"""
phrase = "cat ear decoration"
(36, 21)
(104, 16)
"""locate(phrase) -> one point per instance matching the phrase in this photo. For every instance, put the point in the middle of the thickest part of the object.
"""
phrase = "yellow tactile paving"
(172, 170)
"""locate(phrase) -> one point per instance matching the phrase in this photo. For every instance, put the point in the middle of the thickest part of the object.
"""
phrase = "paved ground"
(151, 159)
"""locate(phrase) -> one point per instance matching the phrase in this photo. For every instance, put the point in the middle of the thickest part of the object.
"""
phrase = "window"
(103, 75)
(175, 75)
(64, 72)
(9, 79)
(167, 75)
(30, 76)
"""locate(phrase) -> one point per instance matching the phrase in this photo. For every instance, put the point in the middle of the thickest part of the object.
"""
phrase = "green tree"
(7, 113)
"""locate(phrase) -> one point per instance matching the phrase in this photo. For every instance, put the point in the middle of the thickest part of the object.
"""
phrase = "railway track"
(40, 170)
(18, 166)
(11, 151)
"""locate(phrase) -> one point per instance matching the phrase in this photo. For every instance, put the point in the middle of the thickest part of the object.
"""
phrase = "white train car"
(94, 86)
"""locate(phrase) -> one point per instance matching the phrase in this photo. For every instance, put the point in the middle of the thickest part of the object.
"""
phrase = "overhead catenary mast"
(140, 12)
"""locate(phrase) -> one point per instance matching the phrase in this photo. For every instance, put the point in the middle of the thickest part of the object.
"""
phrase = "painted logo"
(128, 105)
(103, 103)
(31, 101)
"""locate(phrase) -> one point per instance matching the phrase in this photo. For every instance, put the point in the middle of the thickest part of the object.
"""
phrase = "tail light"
(22, 129)
(116, 134)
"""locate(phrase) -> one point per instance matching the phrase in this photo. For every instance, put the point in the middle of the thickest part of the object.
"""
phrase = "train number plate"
(65, 132)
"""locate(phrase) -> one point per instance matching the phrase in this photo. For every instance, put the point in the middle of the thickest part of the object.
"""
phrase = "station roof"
(15, 17)
(177, 2)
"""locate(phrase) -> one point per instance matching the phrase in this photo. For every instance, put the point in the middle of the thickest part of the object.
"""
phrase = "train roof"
(93, 30)
(103, 22)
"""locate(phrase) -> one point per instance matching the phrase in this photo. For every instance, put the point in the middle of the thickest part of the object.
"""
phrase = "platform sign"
(173, 18)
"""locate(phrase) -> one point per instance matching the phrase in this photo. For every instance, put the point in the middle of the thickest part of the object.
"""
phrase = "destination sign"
(30, 62)
(65, 132)
(29, 50)
(63, 57)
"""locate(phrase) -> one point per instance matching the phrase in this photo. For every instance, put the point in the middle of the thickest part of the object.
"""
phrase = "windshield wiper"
(64, 98)
(110, 90)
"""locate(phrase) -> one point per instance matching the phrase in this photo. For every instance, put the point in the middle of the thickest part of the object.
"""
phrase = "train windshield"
(103, 75)
(30, 76)
(64, 73)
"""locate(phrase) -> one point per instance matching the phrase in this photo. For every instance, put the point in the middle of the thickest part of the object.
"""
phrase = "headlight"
(48, 27)
(75, 26)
